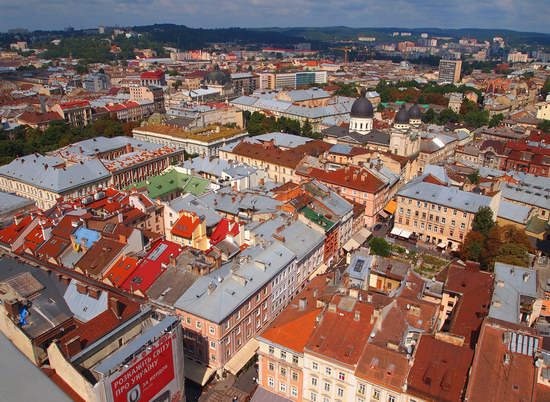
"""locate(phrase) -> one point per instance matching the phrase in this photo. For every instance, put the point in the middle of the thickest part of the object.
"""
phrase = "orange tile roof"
(293, 328)
(350, 177)
(185, 226)
(121, 270)
(385, 367)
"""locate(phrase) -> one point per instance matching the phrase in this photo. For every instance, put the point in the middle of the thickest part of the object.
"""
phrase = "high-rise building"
(449, 70)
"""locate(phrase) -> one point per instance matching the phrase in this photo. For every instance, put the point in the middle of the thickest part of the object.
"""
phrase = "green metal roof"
(317, 218)
(158, 186)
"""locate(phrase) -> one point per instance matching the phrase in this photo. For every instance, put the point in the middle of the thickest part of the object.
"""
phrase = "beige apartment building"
(436, 213)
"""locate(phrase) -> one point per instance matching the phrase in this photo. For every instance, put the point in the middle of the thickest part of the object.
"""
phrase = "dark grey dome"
(362, 108)
(415, 112)
(402, 117)
(216, 77)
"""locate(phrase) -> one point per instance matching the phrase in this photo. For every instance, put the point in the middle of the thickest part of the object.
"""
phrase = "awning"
(391, 207)
(243, 356)
(197, 372)
(384, 214)
(442, 245)
(405, 234)
(357, 240)
(396, 232)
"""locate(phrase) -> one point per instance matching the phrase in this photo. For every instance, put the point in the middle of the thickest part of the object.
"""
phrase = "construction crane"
(346, 51)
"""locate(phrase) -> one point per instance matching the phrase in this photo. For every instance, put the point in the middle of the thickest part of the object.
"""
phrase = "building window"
(294, 376)
(376, 394)
(294, 359)
(283, 371)
(212, 345)
(271, 366)
(271, 350)
(199, 324)
(313, 397)
(391, 398)
(341, 376)
(340, 392)
(314, 381)
(211, 330)
(327, 386)
(361, 389)
(328, 370)
(294, 392)
(314, 366)
(462, 226)
(270, 382)
(283, 355)
(282, 386)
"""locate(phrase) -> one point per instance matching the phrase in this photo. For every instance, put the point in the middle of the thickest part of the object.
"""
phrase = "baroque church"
(403, 138)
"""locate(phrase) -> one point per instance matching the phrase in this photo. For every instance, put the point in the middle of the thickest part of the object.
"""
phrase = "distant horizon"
(525, 16)
(426, 28)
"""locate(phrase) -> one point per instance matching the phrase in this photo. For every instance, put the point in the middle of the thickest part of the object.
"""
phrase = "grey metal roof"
(83, 306)
(44, 315)
(37, 170)
(444, 196)
(283, 139)
(359, 267)
(513, 212)
(189, 202)
(229, 290)
(22, 380)
(511, 282)
(10, 202)
(298, 237)
(437, 171)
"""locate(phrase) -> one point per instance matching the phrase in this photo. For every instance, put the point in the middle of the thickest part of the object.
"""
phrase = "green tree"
(483, 221)
(430, 116)
(448, 116)
(472, 247)
(474, 177)
(380, 246)
(544, 126)
(307, 129)
(496, 120)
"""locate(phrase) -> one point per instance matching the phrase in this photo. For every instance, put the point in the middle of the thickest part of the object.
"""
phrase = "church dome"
(216, 77)
(362, 108)
(402, 117)
(415, 112)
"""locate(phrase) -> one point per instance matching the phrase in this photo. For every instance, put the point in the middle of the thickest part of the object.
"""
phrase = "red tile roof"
(475, 289)
(225, 227)
(65, 227)
(152, 75)
(494, 379)
(74, 104)
(11, 233)
(349, 177)
(53, 247)
(440, 370)
(385, 367)
(39, 118)
(121, 270)
(340, 336)
(103, 323)
(151, 267)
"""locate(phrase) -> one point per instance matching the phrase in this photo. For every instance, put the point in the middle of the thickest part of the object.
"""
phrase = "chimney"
(302, 304)
(46, 232)
(94, 293)
(12, 308)
(120, 217)
(81, 288)
(211, 288)
(354, 293)
(332, 308)
(117, 307)
(72, 346)
(42, 99)
(357, 315)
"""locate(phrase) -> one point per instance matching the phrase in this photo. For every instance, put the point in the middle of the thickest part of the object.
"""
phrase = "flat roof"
(22, 380)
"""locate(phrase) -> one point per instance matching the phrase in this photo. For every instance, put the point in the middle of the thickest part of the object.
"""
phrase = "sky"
(521, 15)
